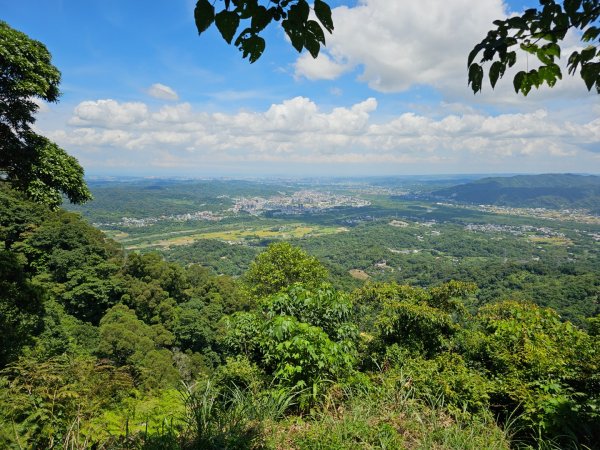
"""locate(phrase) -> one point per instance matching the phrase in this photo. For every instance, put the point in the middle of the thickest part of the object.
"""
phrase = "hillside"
(555, 191)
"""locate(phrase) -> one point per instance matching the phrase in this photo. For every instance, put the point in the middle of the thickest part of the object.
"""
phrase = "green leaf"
(246, 8)
(517, 22)
(317, 32)
(573, 62)
(511, 58)
(589, 73)
(549, 74)
(253, 47)
(204, 15)
(261, 18)
(303, 10)
(475, 77)
(312, 45)
(323, 13)
(518, 80)
(590, 34)
(544, 57)
(533, 77)
(571, 6)
(529, 48)
(473, 54)
(552, 49)
(496, 71)
(299, 12)
(295, 33)
(587, 54)
(227, 22)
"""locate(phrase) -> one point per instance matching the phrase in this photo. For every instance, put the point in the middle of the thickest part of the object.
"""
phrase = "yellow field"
(240, 235)
(552, 240)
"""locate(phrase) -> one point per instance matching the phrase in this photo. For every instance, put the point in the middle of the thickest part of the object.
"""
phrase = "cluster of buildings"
(146, 221)
(300, 202)
(514, 230)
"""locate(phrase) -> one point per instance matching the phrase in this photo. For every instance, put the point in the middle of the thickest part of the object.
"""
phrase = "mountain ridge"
(553, 191)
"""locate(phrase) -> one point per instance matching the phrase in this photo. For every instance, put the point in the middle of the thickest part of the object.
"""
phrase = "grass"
(387, 416)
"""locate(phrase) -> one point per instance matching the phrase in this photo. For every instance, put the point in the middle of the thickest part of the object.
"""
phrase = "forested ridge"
(557, 191)
(112, 350)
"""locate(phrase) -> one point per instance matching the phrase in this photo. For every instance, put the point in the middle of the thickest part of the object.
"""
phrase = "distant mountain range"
(554, 191)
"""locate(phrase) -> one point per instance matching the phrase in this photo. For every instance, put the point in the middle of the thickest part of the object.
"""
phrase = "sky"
(144, 95)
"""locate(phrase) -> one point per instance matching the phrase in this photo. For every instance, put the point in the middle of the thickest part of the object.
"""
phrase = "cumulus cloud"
(108, 113)
(401, 44)
(395, 46)
(298, 131)
(162, 92)
(321, 68)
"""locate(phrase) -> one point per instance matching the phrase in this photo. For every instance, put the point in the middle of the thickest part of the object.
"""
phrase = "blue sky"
(143, 94)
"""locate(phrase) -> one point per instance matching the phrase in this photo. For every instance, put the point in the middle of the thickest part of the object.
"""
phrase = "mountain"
(555, 191)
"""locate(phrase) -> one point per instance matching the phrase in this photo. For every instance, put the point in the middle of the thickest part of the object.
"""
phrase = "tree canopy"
(280, 266)
(30, 162)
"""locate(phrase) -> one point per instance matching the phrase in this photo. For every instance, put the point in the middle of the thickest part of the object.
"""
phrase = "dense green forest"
(110, 349)
(559, 191)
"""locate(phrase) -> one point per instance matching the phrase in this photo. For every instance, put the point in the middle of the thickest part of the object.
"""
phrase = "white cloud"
(162, 92)
(108, 113)
(297, 131)
(321, 68)
(401, 44)
(398, 45)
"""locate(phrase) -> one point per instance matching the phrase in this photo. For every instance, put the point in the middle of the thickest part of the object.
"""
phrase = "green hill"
(555, 191)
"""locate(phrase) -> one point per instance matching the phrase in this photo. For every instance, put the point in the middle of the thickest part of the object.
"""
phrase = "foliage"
(540, 366)
(389, 416)
(30, 162)
(126, 340)
(49, 404)
(232, 417)
(538, 31)
(21, 309)
(302, 355)
(446, 377)
(76, 260)
(293, 15)
(421, 321)
(323, 307)
(280, 266)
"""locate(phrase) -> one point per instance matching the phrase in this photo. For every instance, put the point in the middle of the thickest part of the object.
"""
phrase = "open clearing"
(247, 234)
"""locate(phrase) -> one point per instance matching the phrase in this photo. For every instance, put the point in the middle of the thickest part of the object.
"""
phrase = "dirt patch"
(359, 274)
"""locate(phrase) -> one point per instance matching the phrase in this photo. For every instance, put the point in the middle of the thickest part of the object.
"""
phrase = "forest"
(110, 349)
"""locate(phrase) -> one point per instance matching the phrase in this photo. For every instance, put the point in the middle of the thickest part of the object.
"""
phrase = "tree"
(280, 266)
(21, 308)
(538, 31)
(28, 161)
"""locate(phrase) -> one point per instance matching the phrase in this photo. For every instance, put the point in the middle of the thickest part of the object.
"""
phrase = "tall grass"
(231, 417)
